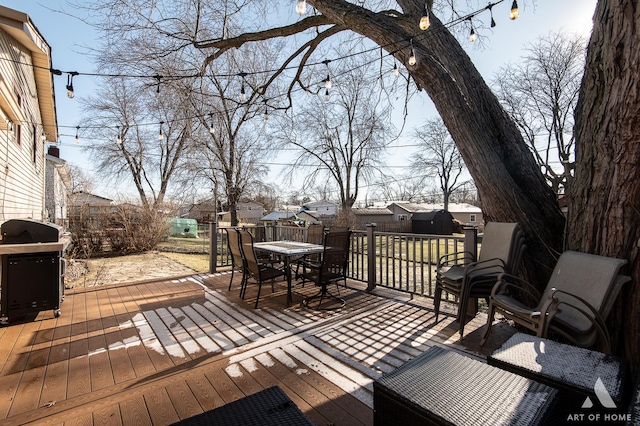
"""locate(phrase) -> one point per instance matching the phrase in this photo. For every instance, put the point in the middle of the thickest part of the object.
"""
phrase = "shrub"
(122, 230)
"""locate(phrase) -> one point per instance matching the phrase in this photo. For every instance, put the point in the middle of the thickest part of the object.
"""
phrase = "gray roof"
(370, 211)
(278, 216)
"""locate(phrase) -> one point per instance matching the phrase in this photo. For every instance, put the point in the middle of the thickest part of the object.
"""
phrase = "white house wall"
(22, 171)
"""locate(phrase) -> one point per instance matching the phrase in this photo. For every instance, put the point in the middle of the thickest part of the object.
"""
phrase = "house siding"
(22, 170)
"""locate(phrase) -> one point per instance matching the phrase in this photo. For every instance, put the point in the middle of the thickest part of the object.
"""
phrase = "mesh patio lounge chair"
(458, 274)
(559, 311)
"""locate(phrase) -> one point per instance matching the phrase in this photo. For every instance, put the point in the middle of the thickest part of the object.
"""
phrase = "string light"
(514, 14)
(424, 20)
(301, 7)
(70, 93)
(472, 34)
(412, 56)
(160, 135)
(212, 129)
(493, 22)
(327, 81)
(243, 94)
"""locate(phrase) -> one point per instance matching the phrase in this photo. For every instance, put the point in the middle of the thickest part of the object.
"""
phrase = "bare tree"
(438, 155)
(80, 180)
(125, 147)
(339, 136)
(540, 93)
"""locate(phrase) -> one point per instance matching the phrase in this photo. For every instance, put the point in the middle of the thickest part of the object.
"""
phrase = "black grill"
(32, 276)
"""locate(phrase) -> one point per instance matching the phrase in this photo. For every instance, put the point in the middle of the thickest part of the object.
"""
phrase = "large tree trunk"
(508, 179)
(604, 209)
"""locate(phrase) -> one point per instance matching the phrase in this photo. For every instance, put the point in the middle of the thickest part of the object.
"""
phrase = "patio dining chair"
(331, 269)
(237, 260)
(559, 312)
(314, 235)
(465, 278)
(259, 272)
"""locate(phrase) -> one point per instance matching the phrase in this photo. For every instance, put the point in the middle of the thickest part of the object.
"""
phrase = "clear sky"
(504, 44)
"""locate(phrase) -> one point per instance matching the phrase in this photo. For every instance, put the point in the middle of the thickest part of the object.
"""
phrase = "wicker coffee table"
(270, 407)
(444, 387)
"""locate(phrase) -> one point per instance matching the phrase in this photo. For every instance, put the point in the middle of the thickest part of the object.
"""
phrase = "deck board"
(156, 352)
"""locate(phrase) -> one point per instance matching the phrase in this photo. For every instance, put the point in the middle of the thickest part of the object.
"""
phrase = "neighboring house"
(250, 212)
(57, 184)
(373, 215)
(277, 217)
(83, 205)
(27, 116)
(203, 212)
(322, 208)
(403, 210)
(466, 214)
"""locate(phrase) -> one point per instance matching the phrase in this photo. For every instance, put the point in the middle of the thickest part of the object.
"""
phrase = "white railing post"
(371, 256)
(213, 246)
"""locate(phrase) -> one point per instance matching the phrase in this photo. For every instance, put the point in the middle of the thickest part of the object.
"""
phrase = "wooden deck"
(160, 351)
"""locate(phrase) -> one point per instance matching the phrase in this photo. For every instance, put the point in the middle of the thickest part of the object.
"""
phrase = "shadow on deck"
(160, 351)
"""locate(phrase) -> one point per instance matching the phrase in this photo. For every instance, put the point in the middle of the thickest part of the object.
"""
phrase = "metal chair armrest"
(457, 258)
(507, 280)
(595, 317)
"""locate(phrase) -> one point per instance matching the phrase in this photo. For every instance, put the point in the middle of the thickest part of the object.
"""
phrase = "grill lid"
(22, 231)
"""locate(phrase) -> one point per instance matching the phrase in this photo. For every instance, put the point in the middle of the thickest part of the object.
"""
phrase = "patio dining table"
(288, 250)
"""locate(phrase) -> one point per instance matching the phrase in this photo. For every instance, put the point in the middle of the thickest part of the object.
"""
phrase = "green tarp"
(186, 228)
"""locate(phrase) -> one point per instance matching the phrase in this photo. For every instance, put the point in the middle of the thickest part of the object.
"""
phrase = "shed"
(187, 228)
(439, 222)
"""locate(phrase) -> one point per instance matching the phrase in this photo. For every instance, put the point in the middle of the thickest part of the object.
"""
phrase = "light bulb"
(472, 35)
(326, 94)
(301, 7)
(514, 11)
(396, 70)
(70, 93)
(327, 82)
(77, 136)
(212, 129)
(160, 135)
(412, 58)
(266, 114)
(243, 95)
(119, 139)
(424, 21)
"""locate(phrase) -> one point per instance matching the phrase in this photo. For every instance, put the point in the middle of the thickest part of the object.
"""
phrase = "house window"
(403, 217)
(472, 217)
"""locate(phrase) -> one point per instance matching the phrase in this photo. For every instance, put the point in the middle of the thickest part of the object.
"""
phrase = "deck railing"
(400, 261)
